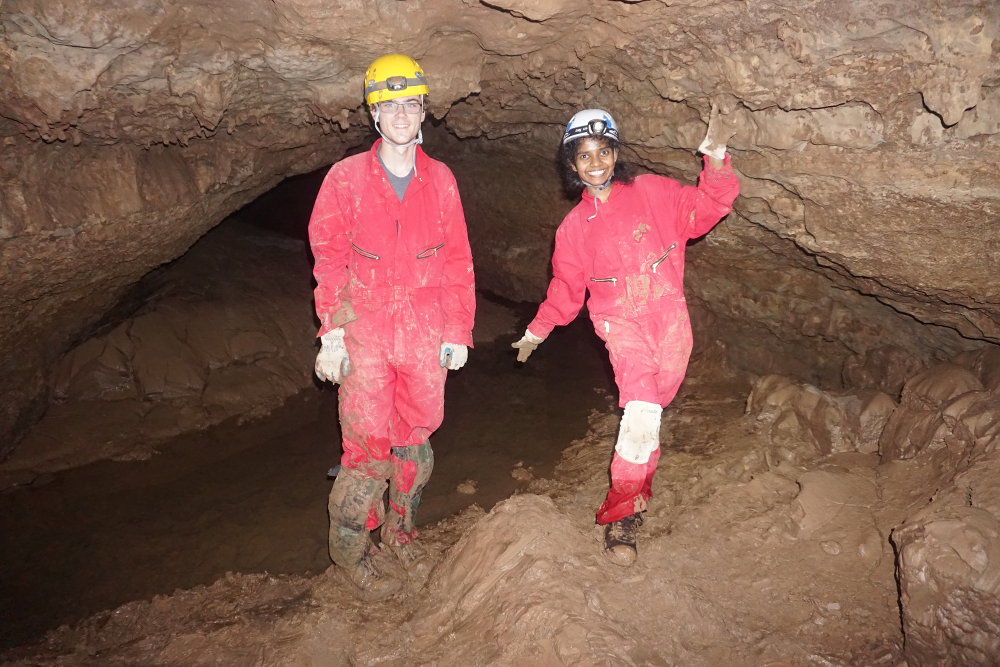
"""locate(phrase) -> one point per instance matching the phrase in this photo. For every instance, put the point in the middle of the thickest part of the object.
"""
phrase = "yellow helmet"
(392, 76)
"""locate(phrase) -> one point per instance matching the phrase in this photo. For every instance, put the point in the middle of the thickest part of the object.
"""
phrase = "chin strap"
(419, 139)
(599, 188)
(607, 182)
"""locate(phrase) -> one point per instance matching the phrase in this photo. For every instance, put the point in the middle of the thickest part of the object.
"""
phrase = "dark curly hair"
(624, 172)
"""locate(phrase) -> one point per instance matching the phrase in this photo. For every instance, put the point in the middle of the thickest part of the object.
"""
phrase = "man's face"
(400, 118)
(594, 161)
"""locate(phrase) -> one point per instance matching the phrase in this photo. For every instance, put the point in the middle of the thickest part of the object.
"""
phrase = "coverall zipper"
(430, 251)
(660, 260)
(364, 253)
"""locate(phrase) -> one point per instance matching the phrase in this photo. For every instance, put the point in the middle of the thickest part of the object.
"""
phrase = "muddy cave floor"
(728, 571)
(251, 497)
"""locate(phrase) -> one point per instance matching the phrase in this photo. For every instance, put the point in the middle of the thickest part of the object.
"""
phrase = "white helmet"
(590, 122)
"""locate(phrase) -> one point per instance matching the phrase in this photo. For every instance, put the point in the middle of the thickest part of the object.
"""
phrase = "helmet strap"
(419, 139)
(607, 182)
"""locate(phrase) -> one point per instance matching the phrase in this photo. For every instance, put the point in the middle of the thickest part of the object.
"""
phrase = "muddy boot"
(370, 584)
(351, 501)
(413, 559)
(619, 540)
(412, 468)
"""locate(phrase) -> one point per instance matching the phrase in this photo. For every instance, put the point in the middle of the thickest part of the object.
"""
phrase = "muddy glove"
(332, 362)
(720, 130)
(453, 356)
(526, 345)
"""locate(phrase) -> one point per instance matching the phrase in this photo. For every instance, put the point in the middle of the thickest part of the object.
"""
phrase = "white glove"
(453, 356)
(332, 362)
(720, 131)
(526, 345)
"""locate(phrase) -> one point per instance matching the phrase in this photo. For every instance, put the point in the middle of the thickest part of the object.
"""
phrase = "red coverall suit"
(397, 276)
(629, 252)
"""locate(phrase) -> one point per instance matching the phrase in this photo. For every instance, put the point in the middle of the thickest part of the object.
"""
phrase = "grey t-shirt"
(398, 183)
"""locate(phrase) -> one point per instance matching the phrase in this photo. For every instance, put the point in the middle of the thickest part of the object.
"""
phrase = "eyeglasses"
(409, 107)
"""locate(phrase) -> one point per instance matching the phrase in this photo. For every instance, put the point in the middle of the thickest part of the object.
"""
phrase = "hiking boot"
(371, 584)
(411, 557)
(619, 540)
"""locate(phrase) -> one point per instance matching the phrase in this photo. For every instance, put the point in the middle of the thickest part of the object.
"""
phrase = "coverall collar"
(594, 203)
(616, 188)
(421, 163)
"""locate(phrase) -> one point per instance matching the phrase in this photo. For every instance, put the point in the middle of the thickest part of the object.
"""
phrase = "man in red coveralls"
(625, 242)
(395, 300)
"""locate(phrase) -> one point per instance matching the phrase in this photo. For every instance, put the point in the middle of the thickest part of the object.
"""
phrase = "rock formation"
(867, 150)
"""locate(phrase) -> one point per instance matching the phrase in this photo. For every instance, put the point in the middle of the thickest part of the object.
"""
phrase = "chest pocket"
(430, 252)
(666, 282)
(363, 252)
(604, 291)
(427, 245)
(656, 263)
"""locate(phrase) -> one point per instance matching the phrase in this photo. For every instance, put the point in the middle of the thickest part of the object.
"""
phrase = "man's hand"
(453, 356)
(528, 343)
(721, 128)
(332, 362)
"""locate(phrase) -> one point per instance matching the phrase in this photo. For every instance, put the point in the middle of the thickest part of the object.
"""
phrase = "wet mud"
(251, 498)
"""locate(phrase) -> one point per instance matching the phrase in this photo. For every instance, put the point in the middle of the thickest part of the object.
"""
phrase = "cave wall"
(867, 150)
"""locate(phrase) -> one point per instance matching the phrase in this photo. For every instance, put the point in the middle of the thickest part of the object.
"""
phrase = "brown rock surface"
(209, 342)
(867, 150)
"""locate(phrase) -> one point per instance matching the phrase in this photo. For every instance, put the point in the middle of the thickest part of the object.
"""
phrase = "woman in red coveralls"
(395, 300)
(625, 242)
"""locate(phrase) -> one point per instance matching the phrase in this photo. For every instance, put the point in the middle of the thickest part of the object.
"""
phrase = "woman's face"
(594, 161)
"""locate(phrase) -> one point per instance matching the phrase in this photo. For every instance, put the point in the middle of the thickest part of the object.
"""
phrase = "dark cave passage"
(249, 496)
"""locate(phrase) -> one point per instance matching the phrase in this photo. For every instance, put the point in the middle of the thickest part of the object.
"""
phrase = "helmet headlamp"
(591, 123)
(393, 76)
(396, 83)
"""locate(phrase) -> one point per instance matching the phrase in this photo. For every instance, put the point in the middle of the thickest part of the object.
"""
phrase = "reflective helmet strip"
(397, 83)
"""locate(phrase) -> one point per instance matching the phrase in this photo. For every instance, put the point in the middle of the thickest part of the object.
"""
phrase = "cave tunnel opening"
(247, 492)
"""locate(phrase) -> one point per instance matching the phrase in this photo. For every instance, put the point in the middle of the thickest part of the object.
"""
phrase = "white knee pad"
(639, 433)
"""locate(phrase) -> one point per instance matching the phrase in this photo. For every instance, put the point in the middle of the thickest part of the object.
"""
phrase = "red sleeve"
(567, 289)
(458, 283)
(703, 206)
(329, 239)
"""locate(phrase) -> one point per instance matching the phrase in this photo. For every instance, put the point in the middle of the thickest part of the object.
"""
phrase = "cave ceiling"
(867, 143)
